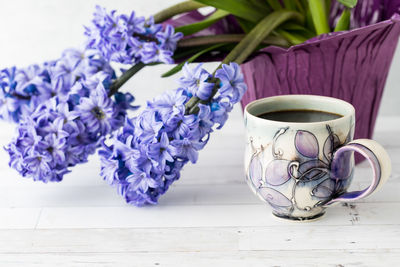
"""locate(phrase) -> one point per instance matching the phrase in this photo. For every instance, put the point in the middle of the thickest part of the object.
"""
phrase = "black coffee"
(299, 116)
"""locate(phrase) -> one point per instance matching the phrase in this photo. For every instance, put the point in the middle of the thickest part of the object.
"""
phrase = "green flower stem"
(229, 38)
(176, 10)
(248, 45)
(318, 13)
(125, 77)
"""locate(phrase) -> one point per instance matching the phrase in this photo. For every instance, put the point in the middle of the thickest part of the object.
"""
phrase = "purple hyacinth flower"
(39, 166)
(54, 146)
(142, 181)
(232, 80)
(114, 25)
(152, 148)
(195, 81)
(135, 49)
(97, 111)
(151, 28)
(99, 16)
(148, 127)
(7, 80)
(109, 170)
(168, 38)
(134, 23)
(29, 81)
(205, 89)
(140, 160)
(57, 127)
(187, 147)
(178, 125)
(160, 152)
(220, 110)
(152, 53)
(128, 39)
(169, 104)
(135, 197)
(204, 121)
(8, 107)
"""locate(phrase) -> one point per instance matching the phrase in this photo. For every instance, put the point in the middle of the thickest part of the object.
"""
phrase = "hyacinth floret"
(130, 39)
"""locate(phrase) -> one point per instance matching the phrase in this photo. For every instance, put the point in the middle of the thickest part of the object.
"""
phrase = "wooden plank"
(118, 240)
(311, 237)
(297, 237)
(19, 218)
(180, 194)
(96, 196)
(207, 216)
(314, 258)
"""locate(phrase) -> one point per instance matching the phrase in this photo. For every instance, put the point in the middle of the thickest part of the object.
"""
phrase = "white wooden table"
(208, 217)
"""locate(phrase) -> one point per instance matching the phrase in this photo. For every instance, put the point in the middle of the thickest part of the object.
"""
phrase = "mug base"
(299, 219)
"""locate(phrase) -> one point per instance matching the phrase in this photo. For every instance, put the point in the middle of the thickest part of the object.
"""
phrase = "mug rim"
(298, 97)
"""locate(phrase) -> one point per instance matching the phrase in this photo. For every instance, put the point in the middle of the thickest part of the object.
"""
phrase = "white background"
(209, 217)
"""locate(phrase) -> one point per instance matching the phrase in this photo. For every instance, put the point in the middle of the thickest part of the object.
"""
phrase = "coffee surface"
(299, 116)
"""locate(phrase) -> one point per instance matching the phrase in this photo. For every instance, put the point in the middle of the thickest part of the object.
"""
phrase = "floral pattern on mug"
(330, 177)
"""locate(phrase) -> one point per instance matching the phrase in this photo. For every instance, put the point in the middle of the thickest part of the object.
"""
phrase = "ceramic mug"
(300, 168)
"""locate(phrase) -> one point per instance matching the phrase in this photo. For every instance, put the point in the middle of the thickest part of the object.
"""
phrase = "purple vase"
(351, 65)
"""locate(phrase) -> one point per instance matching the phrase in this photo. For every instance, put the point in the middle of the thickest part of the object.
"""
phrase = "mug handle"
(377, 157)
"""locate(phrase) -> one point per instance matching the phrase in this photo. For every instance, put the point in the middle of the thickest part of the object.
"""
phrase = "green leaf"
(348, 3)
(289, 4)
(274, 4)
(343, 23)
(297, 29)
(183, 52)
(328, 4)
(300, 7)
(292, 26)
(178, 67)
(198, 26)
(174, 10)
(262, 5)
(241, 8)
(245, 24)
(293, 38)
(254, 38)
(318, 14)
(309, 20)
